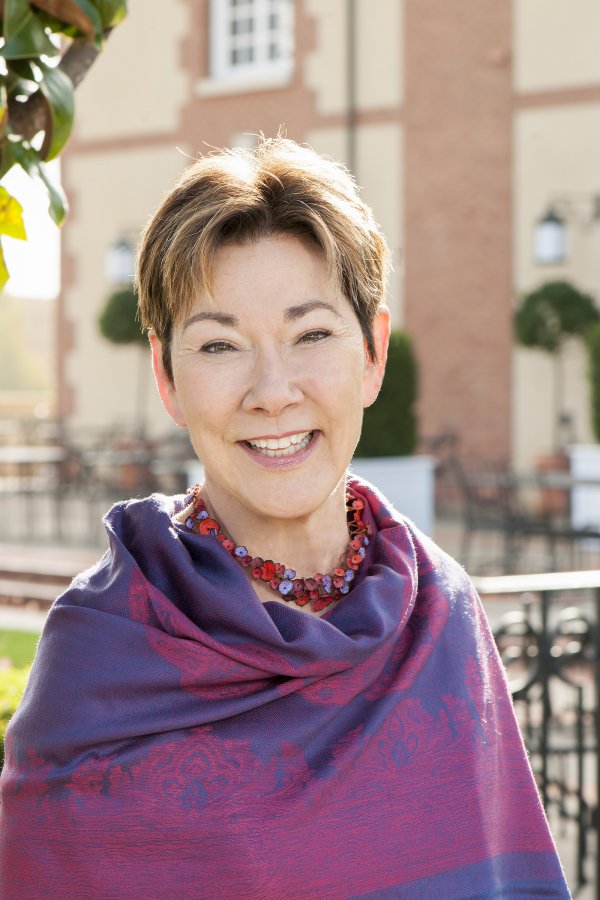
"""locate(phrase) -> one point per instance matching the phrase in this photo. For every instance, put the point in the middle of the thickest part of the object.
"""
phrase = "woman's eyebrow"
(208, 315)
(296, 312)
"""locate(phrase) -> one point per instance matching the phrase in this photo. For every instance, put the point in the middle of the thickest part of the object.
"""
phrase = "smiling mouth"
(284, 446)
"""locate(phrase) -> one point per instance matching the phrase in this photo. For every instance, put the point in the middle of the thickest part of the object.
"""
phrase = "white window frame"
(261, 72)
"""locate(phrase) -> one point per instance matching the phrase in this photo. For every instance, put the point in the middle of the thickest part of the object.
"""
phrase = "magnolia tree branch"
(28, 117)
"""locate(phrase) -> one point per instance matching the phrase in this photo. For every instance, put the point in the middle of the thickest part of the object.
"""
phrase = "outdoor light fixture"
(119, 263)
(550, 239)
(550, 234)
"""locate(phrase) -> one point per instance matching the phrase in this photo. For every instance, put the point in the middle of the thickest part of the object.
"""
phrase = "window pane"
(273, 21)
(242, 26)
(241, 55)
(274, 51)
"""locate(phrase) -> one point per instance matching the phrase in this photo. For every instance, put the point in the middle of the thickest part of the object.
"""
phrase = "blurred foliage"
(12, 685)
(118, 320)
(46, 47)
(390, 424)
(553, 312)
(18, 647)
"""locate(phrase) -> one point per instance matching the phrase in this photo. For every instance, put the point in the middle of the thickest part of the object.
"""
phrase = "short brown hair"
(233, 196)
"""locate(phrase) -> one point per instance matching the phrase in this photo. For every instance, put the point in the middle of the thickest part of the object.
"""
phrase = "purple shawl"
(178, 738)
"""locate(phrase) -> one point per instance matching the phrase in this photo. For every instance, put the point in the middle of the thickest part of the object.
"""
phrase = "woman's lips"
(269, 460)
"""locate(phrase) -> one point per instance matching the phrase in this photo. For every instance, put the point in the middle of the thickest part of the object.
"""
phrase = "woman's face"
(270, 376)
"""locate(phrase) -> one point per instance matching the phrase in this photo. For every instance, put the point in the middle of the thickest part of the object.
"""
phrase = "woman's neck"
(308, 544)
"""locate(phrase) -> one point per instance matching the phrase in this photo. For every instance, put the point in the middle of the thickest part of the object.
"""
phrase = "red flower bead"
(279, 569)
(323, 602)
(356, 543)
(338, 581)
(274, 583)
(339, 572)
(319, 577)
(301, 599)
(357, 558)
(245, 561)
(357, 504)
(298, 585)
(313, 595)
(208, 526)
(256, 572)
(311, 584)
(257, 562)
(229, 545)
(268, 570)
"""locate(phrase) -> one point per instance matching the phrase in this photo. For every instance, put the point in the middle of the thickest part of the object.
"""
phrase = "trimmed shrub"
(390, 424)
(12, 685)
(553, 312)
(118, 321)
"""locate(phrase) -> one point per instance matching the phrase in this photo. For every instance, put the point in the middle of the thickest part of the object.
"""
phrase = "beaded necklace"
(320, 590)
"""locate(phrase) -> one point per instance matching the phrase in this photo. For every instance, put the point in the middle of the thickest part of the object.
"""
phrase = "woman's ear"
(375, 369)
(165, 386)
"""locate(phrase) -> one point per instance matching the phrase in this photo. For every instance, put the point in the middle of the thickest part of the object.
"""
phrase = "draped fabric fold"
(179, 738)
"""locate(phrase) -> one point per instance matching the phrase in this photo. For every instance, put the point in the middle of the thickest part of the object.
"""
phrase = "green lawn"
(18, 646)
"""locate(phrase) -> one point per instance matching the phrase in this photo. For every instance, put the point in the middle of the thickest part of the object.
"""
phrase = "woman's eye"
(217, 347)
(311, 337)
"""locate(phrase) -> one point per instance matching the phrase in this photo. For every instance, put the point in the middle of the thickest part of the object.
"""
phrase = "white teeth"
(284, 446)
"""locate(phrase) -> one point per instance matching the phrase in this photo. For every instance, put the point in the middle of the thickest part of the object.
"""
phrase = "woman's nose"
(272, 387)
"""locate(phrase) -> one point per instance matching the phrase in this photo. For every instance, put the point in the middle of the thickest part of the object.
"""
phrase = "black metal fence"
(550, 647)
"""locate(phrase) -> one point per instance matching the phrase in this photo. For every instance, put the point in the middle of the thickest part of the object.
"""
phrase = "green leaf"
(4, 276)
(59, 94)
(112, 12)
(24, 34)
(11, 216)
(15, 14)
(30, 160)
(82, 14)
(3, 110)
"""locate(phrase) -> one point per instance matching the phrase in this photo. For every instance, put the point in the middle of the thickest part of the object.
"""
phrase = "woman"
(275, 687)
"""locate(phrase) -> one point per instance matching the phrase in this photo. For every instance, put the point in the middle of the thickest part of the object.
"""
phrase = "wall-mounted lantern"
(119, 262)
(550, 233)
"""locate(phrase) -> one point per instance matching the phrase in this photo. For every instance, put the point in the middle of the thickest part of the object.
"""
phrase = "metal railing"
(551, 650)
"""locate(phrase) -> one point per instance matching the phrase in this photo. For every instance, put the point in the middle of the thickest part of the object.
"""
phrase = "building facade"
(460, 121)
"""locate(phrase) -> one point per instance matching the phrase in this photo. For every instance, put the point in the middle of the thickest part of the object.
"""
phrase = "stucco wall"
(379, 54)
(557, 43)
(136, 88)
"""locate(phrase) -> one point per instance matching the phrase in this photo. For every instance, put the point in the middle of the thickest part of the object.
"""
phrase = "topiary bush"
(390, 424)
(118, 321)
(12, 685)
(553, 312)
(593, 348)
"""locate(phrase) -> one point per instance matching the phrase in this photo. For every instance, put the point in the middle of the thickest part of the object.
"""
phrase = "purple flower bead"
(290, 574)
(365, 541)
(202, 514)
(362, 552)
(240, 551)
(327, 582)
(286, 585)
(189, 522)
(348, 574)
(344, 588)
